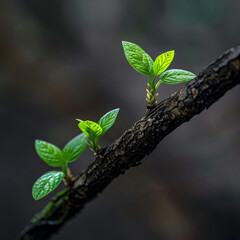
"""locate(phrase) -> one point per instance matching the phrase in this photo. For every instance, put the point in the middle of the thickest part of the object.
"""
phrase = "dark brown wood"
(137, 142)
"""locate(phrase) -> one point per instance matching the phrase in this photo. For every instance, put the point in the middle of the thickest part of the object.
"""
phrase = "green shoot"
(96, 130)
(55, 157)
(144, 64)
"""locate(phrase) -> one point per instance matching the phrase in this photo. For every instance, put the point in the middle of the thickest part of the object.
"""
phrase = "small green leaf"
(46, 184)
(49, 153)
(138, 58)
(175, 76)
(74, 148)
(108, 120)
(162, 62)
(91, 129)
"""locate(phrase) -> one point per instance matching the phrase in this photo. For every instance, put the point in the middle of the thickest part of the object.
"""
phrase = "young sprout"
(144, 64)
(96, 130)
(55, 157)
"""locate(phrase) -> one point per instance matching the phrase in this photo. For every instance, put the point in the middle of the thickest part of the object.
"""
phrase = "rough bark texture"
(138, 141)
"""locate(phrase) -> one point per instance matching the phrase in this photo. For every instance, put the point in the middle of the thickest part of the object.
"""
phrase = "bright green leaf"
(74, 148)
(91, 129)
(162, 62)
(46, 184)
(175, 76)
(138, 58)
(49, 153)
(108, 120)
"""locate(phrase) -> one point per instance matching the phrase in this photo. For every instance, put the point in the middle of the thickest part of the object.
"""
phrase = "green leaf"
(49, 153)
(46, 184)
(162, 62)
(74, 148)
(138, 58)
(175, 76)
(91, 129)
(108, 120)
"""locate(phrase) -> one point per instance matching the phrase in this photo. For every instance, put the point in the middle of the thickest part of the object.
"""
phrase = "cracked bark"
(138, 141)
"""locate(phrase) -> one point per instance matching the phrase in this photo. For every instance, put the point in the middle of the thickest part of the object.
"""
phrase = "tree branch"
(137, 142)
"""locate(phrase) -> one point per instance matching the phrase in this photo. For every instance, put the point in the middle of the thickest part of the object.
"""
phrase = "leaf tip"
(172, 53)
(36, 143)
(124, 44)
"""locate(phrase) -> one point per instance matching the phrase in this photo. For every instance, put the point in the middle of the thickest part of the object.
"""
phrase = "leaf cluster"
(144, 64)
(55, 157)
(96, 130)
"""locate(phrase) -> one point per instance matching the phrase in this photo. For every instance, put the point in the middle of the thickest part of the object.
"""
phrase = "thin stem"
(93, 145)
(153, 82)
(158, 83)
(64, 169)
(67, 175)
(149, 80)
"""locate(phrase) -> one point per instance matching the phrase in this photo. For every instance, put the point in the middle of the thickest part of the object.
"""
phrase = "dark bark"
(138, 141)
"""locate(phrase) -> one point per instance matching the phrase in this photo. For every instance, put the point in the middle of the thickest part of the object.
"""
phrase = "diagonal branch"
(137, 142)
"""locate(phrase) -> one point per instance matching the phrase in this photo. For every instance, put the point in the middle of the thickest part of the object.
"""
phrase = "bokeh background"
(60, 60)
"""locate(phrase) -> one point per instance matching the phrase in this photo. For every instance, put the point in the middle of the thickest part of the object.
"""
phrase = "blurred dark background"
(60, 60)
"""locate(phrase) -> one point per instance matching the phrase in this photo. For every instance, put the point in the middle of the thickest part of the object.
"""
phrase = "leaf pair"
(55, 157)
(96, 130)
(144, 64)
